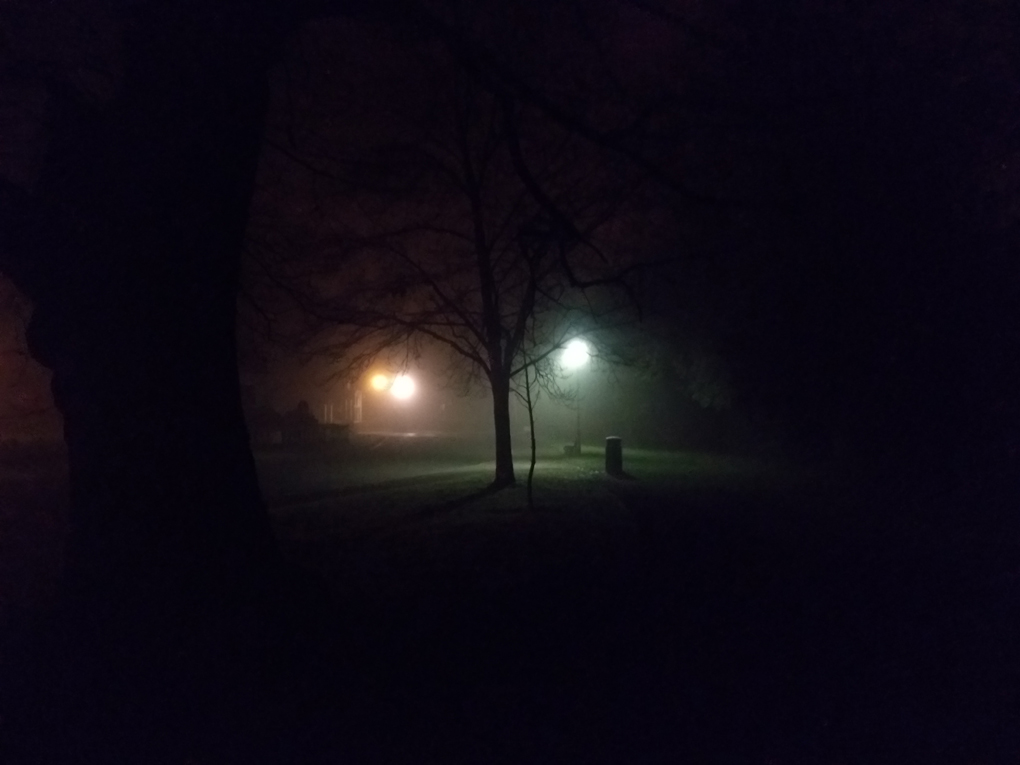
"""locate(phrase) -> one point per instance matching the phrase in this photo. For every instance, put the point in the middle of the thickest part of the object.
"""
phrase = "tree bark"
(129, 247)
(501, 418)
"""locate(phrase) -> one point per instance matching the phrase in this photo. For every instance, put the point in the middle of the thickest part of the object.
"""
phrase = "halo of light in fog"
(379, 382)
(403, 387)
(575, 354)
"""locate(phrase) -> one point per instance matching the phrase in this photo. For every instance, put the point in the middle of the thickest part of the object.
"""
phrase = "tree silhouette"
(466, 221)
(123, 214)
(132, 133)
(122, 219)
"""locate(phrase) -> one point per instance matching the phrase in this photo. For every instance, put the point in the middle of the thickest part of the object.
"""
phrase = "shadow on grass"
(433, 511)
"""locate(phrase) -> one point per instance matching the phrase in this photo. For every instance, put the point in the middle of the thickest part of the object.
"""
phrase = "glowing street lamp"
(379, 382)
(576, 354)
(403, 387)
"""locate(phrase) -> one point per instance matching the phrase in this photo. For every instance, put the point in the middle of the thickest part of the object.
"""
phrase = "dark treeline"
(872, 290)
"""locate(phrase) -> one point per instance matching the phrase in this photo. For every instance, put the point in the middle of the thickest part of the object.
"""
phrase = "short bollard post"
(614, 455)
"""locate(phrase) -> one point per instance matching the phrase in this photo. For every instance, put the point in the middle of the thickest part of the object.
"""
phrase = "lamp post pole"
(575, 356)
(577, 436)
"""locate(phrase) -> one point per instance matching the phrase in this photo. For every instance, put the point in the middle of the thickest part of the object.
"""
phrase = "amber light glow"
(379, 382)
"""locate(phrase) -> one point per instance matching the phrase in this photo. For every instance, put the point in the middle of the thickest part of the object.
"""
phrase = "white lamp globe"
(403, 387)
(575, 354)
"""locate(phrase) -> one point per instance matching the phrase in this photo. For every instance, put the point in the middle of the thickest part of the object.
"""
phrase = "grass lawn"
(707, 609)
(391, 533)
(702, 609)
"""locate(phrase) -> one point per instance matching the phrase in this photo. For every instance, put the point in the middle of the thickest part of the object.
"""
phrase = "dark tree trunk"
(501, 419)
(129, 248)
(531, 432)
(135, 302)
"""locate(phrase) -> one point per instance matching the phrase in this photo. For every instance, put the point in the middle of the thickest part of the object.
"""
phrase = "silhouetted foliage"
(463, 220)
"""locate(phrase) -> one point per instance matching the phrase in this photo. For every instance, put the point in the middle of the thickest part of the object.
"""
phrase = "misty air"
(583, 381)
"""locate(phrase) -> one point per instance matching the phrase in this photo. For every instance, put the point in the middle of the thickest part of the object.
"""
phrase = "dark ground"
(719, 630)
(667, 618)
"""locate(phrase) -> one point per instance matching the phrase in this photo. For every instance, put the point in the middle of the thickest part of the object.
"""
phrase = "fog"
(287, 293)
(689, 405)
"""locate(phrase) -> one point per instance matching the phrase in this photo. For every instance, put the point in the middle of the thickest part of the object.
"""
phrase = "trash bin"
(614, 455)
